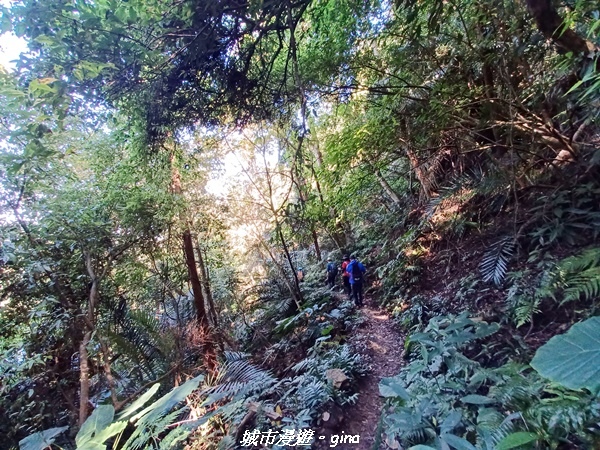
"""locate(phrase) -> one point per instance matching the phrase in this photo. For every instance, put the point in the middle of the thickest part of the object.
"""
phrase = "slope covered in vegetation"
(176, 173)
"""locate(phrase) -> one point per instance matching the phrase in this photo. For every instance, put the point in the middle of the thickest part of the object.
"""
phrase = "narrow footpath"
(379, 340)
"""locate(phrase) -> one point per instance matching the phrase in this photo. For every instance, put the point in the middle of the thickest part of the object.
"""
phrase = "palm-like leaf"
(141, 344)
(494, 264)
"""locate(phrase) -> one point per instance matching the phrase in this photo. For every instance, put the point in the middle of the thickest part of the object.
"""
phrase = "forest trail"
(379, 340)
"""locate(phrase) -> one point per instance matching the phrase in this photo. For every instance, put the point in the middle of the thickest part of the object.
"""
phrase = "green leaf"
(517, 439)
(41, 86)
(574, 87)
(40, 440)
(390, 387)
(327, 330)
(139, 402)
(450, 422)
(5, 22)
(476, 400)
(92, 445)
(458, 442)
(100, 419)
(165, 403)
(45, 40)
(571, 359)
(112, 430)
(421, 447)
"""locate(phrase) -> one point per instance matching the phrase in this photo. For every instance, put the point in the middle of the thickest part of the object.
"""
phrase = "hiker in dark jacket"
(356, 270)
(346, 276)
(332, 272)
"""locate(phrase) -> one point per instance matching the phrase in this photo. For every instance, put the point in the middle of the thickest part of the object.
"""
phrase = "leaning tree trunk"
(387, 188)
(284, 276)
(297, 293)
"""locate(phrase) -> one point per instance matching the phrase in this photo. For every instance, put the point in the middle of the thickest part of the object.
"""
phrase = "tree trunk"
(421, 173)
(205, 281)
(387, 188)
(553, 27)
(90, 323)
(108, 372)
(297, 293)
(84, 378)
(315, 242)
(210, 357)
(283, 274)
(190, 262)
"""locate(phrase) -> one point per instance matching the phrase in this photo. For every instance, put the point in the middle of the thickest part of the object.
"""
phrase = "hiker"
(356, 271)
(300, 274)
(346, 276)
(332, 272)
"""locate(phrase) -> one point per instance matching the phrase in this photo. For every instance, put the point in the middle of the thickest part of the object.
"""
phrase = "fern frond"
(526, 309)
(179, 310)
(579, 276)
(234, 356)
(579, 263)
(238, 375)
(148, 429)
(495, 261)
(302, 365)
(507, 427)
(586, 284)
(517, 393)
(175, 436)
(284, 305)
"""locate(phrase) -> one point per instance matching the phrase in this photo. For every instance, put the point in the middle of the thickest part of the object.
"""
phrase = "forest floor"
(380, 342)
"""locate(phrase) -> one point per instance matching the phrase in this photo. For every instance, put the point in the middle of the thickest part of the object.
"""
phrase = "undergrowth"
(469, 383)
(452, 394)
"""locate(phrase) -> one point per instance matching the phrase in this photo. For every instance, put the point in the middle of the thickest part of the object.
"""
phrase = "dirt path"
(382, 344)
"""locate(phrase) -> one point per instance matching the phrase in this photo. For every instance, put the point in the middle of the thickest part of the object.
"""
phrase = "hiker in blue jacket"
(332, 272)
(357, 271)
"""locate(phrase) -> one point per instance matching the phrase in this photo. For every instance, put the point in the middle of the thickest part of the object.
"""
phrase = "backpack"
(332, 268)
(356, 272)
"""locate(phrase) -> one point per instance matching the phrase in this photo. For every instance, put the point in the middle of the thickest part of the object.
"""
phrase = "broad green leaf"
(515, 440)
(421, 447)
(450, 422)
(45, 39)
(40, 86)
(572, 359)
(390, 387)
(112, 430)
(476, 400)
(168, 401)
(100, 419)
(458, 442)
(91, 445)
(40, 440)
(139, 402)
